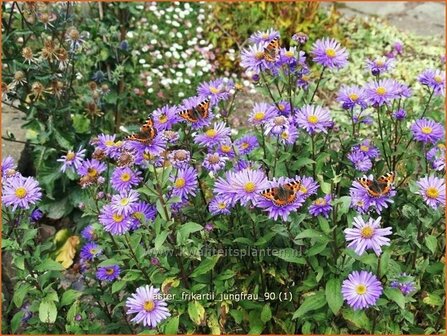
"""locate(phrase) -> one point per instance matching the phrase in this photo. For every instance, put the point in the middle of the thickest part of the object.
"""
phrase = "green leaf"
(432, 243)
(196, 312)
(205, 266)
(311, 233)
(160, 239)
(266, 313)
(16, 321)
(333, 294)
(358, 318)
(186, 229)
(289, 255)
(171, 327)
(19, 294)
(49, 265)
(81, 123)
(433, 300)
(117, 286)
(61, 140)
(47, 311)
(69, 297)
(311, 303)
(394, 294)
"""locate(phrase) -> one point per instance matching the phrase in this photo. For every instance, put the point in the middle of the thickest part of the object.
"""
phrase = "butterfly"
(201, 111)
(147, 133)
(271, 52)
(282, 195)
(380, 187)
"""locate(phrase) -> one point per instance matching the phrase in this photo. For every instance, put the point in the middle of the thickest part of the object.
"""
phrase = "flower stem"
(382, 139)
(318, 84)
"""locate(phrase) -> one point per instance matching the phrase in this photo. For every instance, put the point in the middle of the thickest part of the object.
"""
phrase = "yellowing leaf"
(168, 284)
(67, 252)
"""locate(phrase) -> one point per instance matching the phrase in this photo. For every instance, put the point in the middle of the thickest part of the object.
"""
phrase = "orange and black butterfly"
(380, 187)
(147, 133)
(282, 195)
(271, 52)
(197, 113)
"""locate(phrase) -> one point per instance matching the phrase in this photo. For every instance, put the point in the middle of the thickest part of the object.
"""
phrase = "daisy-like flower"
(361, 290)
(141, 213)
(243, 186)
(88, 233)
(366, 147)
(74, 38)
(108, 273)
(283, 108)
(154, 148)
(264, 37)
(427, 130)
(261, 113)
(360, 160)
(226, 148)
(329, 53)
(124, 178)
(165, 117)
(289, 135)
(362, 201)
(90, 251)
(308, 186)
(436, 156)
(434, 79)
(192, 103)
(216, 90)
(400, 114)
(314, 119)
(404, 283)
(403, 90)
(123, 202)
(148, 305)
(220, 206)
(382, 92)
(379, 65)
(106, 142)
(8, 166)
(214, 135)
(214, 162)
(20, 192)
(350, 96)
(367, 235)
(432, 190)
(321, 206)
(291, 58)
(253, 59)
(276, 125)
(72, 159)
(272, 208)
(184, 183)
(179, 158)
(92, 168)
(170, 136)
(114, 222)
(246, 144)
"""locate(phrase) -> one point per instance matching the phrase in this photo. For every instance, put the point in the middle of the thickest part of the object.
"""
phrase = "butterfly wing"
(271, 52)
(380, 187)
(203, 108)
(282, 195)
(147, 133)
(189, 115)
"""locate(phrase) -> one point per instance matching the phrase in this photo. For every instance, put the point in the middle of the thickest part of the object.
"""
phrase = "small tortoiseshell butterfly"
(201, 111)
(271, 52)
(282, 195)
(380, 187)
(147, 133)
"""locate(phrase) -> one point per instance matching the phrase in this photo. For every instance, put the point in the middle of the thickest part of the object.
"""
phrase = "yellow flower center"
(180, 182)
(124, 201)
(320, 201)
(441, 146)
(138, 215)
(313, 119)
(259, 55)
(305, 78)
(426, 130)
(93, 251)
(330, 53)
(221, 205)
(281, 107)
(117, 218)
(380, 90)
(360, 289)
(303, 189)
(245, 145)
(249, 187)
(70, 156)
(438, 79)
(367, 232)
(279, 121)
(109, 271)
(125, 177)
(211, 133)
(21, 192)
(432, 192)
(118, 143)
(353, 96)
(289, 53)
(92, 172)
(163, 119)
(380, 62)
(147, 156)
(214, 158)
(364, 148)
(259, 116)
(149, 306)
(225, 148)
(285, 135)
(110, 143)
(214, 90)
(265, 36)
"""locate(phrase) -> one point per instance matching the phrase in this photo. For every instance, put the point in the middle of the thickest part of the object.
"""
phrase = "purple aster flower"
(246, 144)
(361, 290)
(303, 78)
(92, 168)
(220, 206)
(114, 222)
(436, 156)
(170, 136)
(123, 202)
(216, 90)
(282, 108)
(214, 135)
(36, 215)
(90, 251)
(404, 283)
(243, 186)
(191, 104)
(398, 47)
(179, 158)
(427, 130)
(308, 186)
(184, 183)
(382, 92)
(21, 192)
(144, 158)
(226, 148)
(301, 38)
(379, 65)
(107, 144)
(264, 37)
(276, 125)
(329, 53)
(88, 233)
(72, 159)
(360, 161)
(400, 114)
(321, 206)
(209, 227)
(124, 178)
(289, 135)
(8, 166)
(350, 96)
(403, 90)
(108, 273)
(434, 79)
(155, 147)
(214, 162)
(165, 117)
(367, 235)
(149, 306)
(252, 59)
(432, 190)
(314, 119)
(261, 113)
(291, 57)
(367, 148)
(362, 200)
(142, 212)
